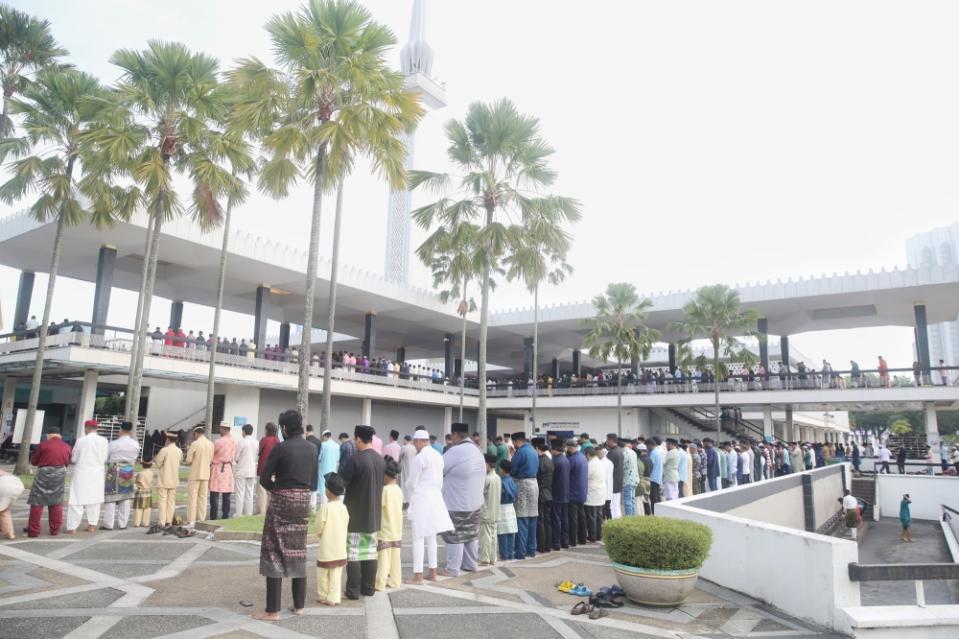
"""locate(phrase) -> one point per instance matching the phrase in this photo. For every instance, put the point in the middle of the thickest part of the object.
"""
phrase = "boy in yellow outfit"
(331, 524)
(390, 537)
(143, 497)
(167, 464)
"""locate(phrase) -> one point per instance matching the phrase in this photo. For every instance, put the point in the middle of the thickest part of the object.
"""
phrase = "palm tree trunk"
(535, 354)
(484, 322)
(139, 338)
(619, 398)
(6, 126)
(303, 386)
(463, 355)
(134, 405)
(215, 335)
(719, 418)
(23, 457)
(331, 319)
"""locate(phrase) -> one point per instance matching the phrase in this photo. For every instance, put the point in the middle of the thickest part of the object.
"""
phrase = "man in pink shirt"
(378, 445)
(393, 449)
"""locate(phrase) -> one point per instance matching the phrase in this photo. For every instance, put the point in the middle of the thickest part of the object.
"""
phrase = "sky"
(732, 142)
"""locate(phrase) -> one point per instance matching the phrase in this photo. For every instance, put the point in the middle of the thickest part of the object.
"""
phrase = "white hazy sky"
(708, 141)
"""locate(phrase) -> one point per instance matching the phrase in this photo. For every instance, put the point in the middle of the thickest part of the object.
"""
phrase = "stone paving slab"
(34, 627)
(153, 626)
(328, 627)
(471, 626)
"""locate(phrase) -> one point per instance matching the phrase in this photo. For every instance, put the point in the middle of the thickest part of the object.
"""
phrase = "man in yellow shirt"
(167, 466)
(199, 456)
(331, 524)
(390, 537)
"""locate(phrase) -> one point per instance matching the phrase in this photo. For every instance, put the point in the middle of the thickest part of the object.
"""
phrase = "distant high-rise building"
(938, 247)
(416, 61)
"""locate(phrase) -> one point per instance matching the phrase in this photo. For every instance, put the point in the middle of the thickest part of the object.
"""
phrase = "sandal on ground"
(596, 613)
(565, 586)
(154, 529)
(183, 533)
(581, 608)
(603, 600)
(581, 590)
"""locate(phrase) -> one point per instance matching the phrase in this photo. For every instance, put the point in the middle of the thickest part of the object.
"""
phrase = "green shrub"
(660, 543)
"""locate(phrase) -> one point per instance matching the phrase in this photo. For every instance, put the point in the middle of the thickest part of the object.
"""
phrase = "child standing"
(489, 515)
(143, 497)
(331, 524)
(390, 537)
(506, 527)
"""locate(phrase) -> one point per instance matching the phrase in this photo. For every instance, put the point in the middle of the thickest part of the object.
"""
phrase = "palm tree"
(167, 100)
(504, 165)
(451, 255)
(540, 256)
(715, 314)
(232, 147)
(618, 331)
(333, 98)
(55, 111)
(26, 46)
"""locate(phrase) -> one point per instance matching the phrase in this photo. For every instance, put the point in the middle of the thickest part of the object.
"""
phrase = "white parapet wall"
(811, 578)
(928, 494)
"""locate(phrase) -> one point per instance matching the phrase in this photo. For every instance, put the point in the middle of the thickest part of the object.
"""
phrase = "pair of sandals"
(610, 597)
(590, 610)
(180, 532)
(577, 590)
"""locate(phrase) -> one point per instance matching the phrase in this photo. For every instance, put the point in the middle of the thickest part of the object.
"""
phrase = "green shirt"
(502, 452)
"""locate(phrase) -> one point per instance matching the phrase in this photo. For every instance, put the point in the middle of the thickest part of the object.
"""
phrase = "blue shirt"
(508, 495)
(438, 447)
(683, 465)
(578, 478)
(560, 479)
(712, 462)
(656, 457)
(525, 463)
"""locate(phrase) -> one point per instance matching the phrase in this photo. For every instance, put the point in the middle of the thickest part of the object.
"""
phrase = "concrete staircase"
(864, 488)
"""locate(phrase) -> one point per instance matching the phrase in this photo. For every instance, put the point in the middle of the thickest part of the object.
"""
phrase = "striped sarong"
(361, 546)
(507, 520)
(47, 489)
(527, 498)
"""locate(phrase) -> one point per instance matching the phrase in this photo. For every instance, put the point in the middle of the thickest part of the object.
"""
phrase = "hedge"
(660, 543)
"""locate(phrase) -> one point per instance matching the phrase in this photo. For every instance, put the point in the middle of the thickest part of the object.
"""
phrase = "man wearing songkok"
(427, 510)
(464, 474)
(199, 456)
(363, 473)
(51, 458)
(167, 465)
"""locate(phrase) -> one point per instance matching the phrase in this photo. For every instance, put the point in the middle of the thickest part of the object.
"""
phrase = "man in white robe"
(407, 454)
(244, 472)
(123, 453)
(86, 490)
(427, 512)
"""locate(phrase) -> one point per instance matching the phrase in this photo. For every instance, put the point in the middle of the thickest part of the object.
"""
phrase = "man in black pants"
(578, 487)
(363, 473)
(560, 494)
(544, 479)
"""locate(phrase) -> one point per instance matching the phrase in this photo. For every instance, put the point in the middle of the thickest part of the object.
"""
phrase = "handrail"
(903, 572)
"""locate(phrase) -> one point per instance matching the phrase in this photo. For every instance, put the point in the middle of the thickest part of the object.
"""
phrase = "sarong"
(527, 498)
(507, 520)
(47, 489)
(465, 526)
(361, 546)
(143, 499)
(386, 545)
(852, 519)
(119, 484)
(283, 543)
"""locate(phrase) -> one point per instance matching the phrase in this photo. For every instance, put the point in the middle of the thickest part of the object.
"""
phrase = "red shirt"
(169, 335)
(180, 338)
(266, 446)
(51, 452)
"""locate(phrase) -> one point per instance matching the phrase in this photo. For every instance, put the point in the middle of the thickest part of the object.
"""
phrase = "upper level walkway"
(71, 353)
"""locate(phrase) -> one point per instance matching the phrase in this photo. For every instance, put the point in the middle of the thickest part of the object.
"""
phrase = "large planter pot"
(656, 587)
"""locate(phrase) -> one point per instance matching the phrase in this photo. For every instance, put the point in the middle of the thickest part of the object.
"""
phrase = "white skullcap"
(421, 434)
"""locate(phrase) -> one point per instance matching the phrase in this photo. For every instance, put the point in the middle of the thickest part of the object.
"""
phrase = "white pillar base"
(366, 412)
(88, 398)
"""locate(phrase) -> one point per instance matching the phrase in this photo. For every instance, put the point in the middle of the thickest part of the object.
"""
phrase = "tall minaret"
(416, 61)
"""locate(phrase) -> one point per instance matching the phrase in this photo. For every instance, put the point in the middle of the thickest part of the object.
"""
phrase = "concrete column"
(401, 354)
(101, 295)
(932, 430)
(672, 358)
(768, 421)
(24, 294)
(922, 343)
(576, 368)
(284, 335)
(447, 420)
(261, 311)
(458, 368)
(789, 431)
(176, 314)
(369, 335)
(6, 408)
(762, 327)
(88, 397)
(366, 411)
(448, 342)
(784, 348)
(555, 369)
(529, 367)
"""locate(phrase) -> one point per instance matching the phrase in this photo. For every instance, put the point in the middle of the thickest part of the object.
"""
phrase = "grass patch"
(254, 523)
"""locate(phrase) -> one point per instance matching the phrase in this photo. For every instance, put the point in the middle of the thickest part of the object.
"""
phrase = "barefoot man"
(427, 512)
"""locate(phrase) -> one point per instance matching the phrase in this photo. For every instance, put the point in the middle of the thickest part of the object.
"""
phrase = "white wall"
(811, 579)
(172, 401)
(781, 509)
(240, 401)
(405, 418)
(595, 421)
(928, 492)
(826, 493)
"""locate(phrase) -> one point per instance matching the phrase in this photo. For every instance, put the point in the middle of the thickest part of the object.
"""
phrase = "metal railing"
(905, 572)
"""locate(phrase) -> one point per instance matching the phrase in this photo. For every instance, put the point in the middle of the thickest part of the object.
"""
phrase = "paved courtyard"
(123, 584)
